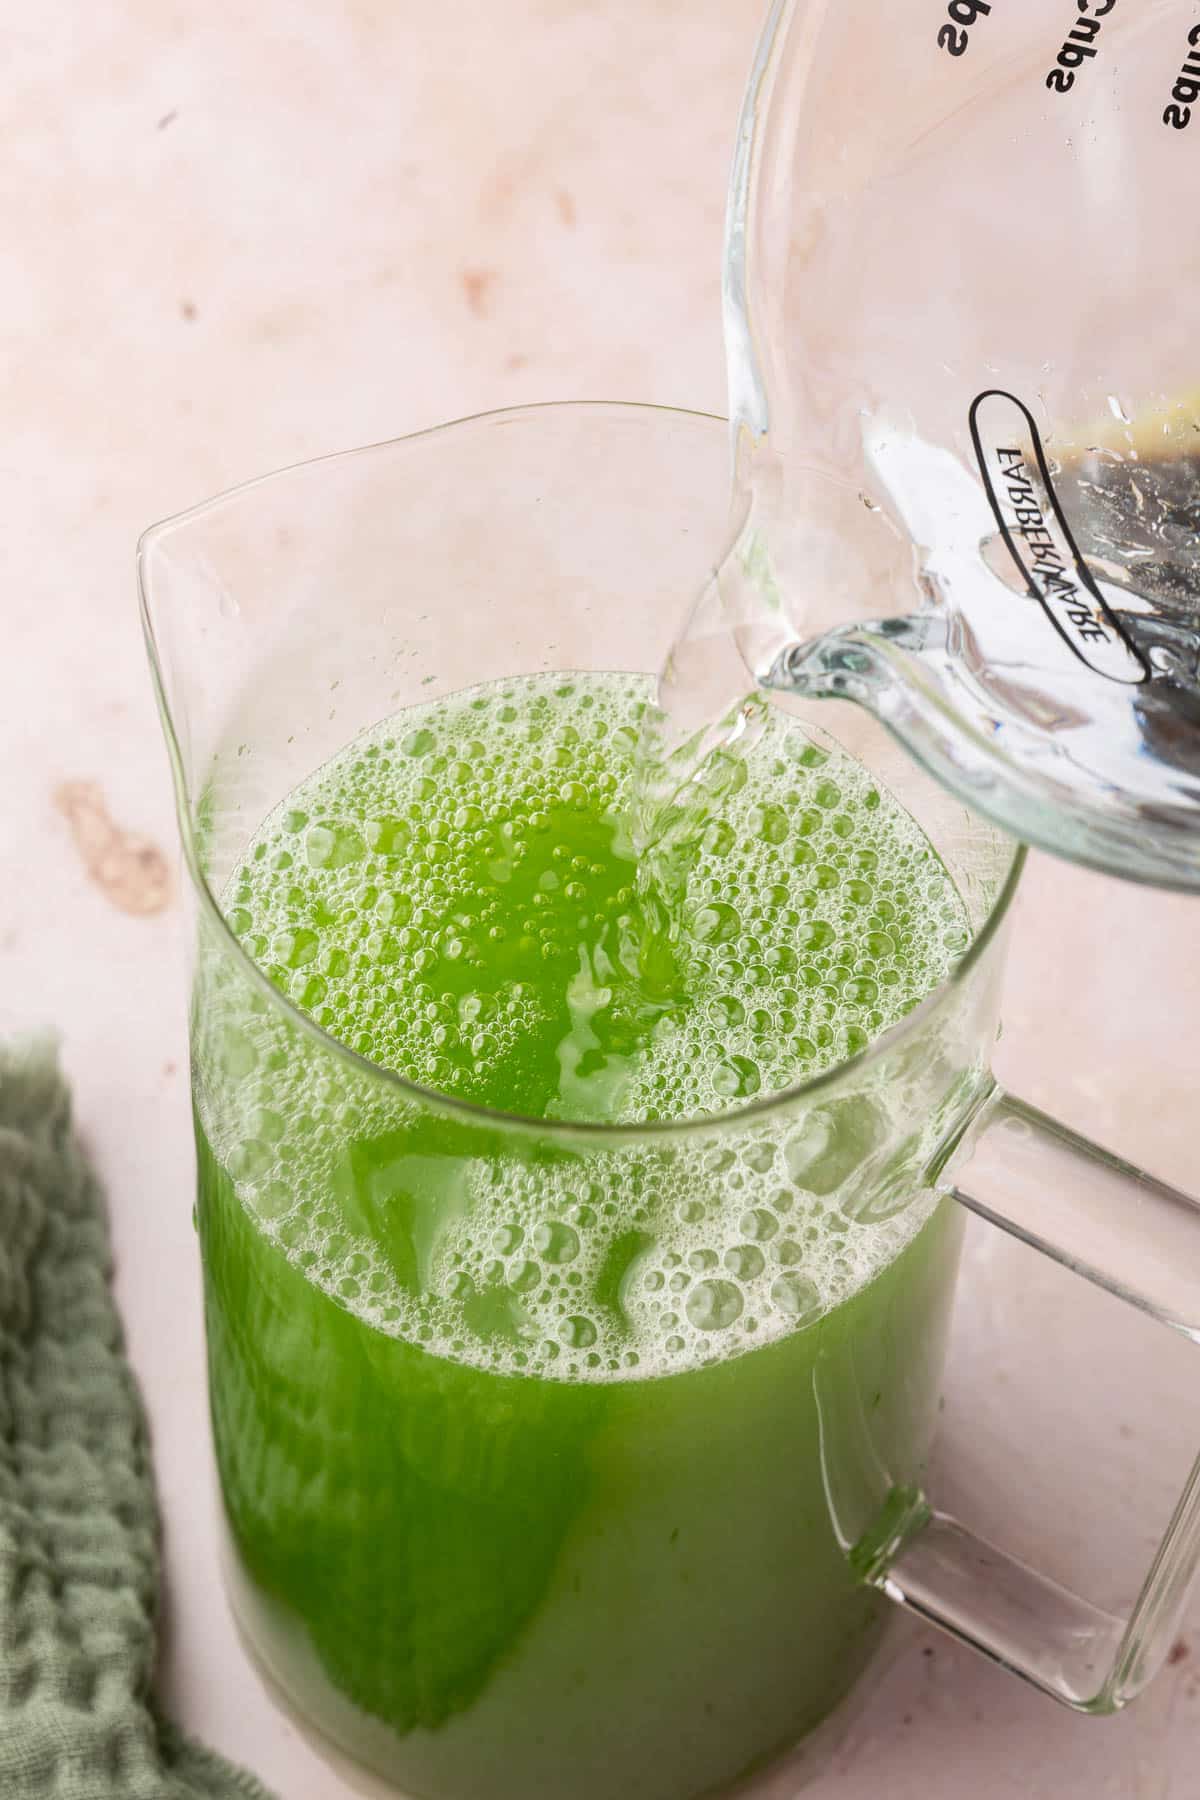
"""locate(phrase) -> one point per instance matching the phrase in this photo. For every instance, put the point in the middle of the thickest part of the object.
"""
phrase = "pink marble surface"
(237, 237)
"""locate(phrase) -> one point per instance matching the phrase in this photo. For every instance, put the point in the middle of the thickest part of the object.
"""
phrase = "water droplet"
(758, 1224)
(769, 824)
(387, 836)
(714, 1305)
(736, 1078)
(745, 1261)
(797, 1296)
(250, 1159)
(556, 1241)
(718, 839)
(295, 948)
(312, 993)
(716, 923)
(333, 847)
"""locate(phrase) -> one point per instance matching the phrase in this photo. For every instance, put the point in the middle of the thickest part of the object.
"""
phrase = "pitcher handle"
(1139, 1239)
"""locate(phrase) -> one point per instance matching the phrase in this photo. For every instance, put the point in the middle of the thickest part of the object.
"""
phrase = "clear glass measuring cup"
(497, 1583)
(966, 402)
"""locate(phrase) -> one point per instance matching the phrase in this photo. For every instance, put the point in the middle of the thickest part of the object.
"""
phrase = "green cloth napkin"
(79, 1534)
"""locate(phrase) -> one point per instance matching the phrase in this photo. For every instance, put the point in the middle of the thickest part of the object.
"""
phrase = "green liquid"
(519, 1440)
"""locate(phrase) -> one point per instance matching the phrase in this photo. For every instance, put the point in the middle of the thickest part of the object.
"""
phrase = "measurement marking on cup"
(1186, 91)
(1079, 44)
(954, 37)
(1035, 530)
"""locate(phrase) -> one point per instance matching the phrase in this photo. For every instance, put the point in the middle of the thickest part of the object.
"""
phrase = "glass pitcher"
(587, 1573)
(964, 392)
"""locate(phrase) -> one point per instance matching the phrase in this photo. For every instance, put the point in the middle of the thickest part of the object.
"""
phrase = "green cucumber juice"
(518, 1442)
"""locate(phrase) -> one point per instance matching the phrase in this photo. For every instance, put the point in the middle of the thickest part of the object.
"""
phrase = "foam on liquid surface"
(455, 897)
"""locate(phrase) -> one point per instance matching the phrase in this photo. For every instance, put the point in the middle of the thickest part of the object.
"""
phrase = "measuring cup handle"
(1137, 1238)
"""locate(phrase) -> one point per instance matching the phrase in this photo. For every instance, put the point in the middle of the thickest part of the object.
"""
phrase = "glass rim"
(617, 1132)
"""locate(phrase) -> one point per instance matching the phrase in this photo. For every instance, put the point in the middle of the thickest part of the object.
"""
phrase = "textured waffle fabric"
(79, 1538)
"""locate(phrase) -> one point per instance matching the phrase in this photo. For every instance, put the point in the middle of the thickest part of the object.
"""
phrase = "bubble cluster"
(455, 896)
(651, 1265)
(425, 896)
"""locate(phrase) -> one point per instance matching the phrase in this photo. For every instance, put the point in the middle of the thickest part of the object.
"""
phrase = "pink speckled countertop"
(234, 238)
